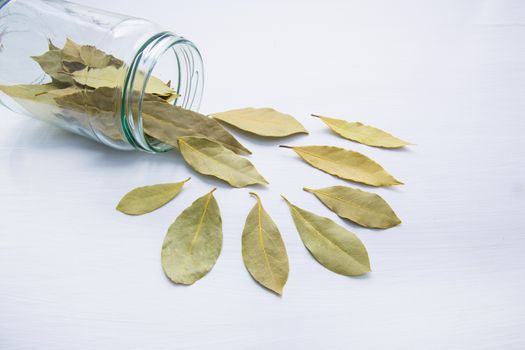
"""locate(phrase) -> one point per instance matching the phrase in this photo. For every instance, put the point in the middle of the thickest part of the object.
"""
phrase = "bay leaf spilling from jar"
(84, 93)
(83, 90)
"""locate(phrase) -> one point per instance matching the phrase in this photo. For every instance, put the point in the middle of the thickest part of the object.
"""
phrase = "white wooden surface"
(447, 75)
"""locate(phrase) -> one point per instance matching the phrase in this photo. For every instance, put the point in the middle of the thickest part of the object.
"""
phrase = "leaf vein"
(353, 204)
(201, 220)
(326, 238)
(261, 241)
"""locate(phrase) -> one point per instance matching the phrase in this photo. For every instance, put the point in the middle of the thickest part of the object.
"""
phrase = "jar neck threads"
(187, 82)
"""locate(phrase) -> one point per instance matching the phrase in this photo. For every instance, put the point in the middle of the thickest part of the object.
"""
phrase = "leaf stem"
(315, 115)
(284, 146)
(256, 196)
(285, 199)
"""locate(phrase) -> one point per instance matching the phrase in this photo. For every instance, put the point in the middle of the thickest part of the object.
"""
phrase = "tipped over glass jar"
(95, 73)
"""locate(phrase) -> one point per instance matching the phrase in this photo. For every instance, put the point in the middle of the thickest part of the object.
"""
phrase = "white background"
(446, 75)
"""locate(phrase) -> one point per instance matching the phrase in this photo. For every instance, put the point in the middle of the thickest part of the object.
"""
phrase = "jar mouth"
(186, 77)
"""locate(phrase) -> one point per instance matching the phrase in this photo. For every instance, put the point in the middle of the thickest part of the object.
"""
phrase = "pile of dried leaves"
(83, 88)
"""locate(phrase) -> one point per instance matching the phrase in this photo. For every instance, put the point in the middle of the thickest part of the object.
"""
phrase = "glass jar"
(126, 58)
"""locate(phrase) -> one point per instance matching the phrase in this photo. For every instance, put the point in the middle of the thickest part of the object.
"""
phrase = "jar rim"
(145, 61)
(3, 3)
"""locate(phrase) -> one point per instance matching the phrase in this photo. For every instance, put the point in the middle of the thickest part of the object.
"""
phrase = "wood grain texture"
(447, 75)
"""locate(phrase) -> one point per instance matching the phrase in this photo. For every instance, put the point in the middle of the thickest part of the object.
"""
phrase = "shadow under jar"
(91, 72)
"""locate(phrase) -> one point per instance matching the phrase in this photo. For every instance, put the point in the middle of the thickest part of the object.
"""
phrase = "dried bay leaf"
(27, 92)
(90, 56)
(263, 250)
(211, 158)
(146, 199)
(72, 49)
(346, 164)
(94, 109)
(179, 122)
(67, 69)
(102, 99)
(95, 58)
(111, 77)
(60, 92)
(96, 78)
(167, 125)
(334, 247)
(71, 67)
(262, 121)
(193, 242)
(38, 100)
(161, 130)
(45, 93)
(358, 132)
(51, 64)
(52, 46)
(60, 63)
(364, 208)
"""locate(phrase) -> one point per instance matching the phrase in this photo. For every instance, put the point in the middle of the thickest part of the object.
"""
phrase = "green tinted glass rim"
(131, 72)
(3, 3)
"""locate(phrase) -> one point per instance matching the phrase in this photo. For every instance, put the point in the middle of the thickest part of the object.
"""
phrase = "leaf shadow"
(397, 189)
(406, 149)
(48, 138)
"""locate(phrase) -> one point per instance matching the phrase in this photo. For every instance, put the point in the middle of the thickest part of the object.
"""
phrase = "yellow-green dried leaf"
(211, 158)
(39, 100)
(72, 49)
(263, 250)
(61, 63)
(95, 109)
(96, 78)
(45, 93)
(52, 46)
(364, 134)
(364, 208)
(94, 58)
(27, 92)
(146, 199)
(51, 64)
(193, 242)
(334, 247)
(111, 77)
(167, 123)
(90, 56)
(346, 164)
(262, 121)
